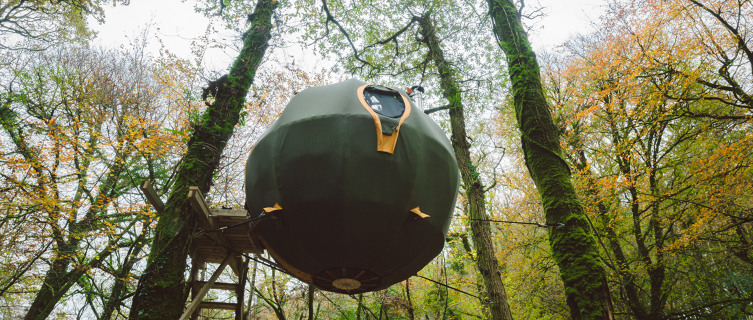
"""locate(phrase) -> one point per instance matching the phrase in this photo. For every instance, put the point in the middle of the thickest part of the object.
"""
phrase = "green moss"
(486, 261)
(573, 245)
(161, 293)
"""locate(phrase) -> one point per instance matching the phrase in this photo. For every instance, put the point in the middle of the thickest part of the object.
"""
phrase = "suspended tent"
(360, 183)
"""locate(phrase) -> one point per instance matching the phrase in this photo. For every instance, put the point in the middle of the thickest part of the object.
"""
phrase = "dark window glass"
(384, 101)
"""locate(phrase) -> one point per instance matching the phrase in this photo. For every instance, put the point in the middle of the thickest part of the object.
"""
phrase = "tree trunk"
(250, 306)
(59, 279)
(573, 245)
(160, 290)
(311, 302)
(486, 261)
(411, 315)
(358, 310)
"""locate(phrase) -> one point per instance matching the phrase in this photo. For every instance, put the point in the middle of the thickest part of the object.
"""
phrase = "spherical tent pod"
(360, 183)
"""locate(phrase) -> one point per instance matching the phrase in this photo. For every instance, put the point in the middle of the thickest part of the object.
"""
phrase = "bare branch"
(345, 33)
(432, 110)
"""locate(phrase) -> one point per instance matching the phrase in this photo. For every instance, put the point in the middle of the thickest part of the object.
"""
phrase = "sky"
(176, 25)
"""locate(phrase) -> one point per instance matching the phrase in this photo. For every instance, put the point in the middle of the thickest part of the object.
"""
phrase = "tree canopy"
(607, 178)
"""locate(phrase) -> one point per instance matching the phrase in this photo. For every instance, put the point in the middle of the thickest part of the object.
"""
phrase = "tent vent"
(347, 280)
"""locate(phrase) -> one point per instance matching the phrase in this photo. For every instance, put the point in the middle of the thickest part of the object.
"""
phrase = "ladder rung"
(218, 285)
(218, 305)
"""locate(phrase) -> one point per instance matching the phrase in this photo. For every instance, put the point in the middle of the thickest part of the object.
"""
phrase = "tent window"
(384, 101)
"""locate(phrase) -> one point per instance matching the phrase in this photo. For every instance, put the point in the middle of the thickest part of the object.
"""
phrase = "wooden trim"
(392, 140)
(200, 206)
(229, 213)
(418, 212)
(374, 116)
(152, 197)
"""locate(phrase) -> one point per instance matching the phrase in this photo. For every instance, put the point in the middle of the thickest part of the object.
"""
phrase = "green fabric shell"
(346, 206)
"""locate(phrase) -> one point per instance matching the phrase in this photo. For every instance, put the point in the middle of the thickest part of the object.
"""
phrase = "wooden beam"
(241, 290)
(230, 213)
(203, 213)
(194, 277)
(201, 208)
(200, 296)
(151, 196)
(218, 285)
(218, 305)
(251, 236)
(194, 289)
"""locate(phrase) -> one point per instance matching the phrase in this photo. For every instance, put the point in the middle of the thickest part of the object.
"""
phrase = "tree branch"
(432, 110)
(345, 33)
(740, 40)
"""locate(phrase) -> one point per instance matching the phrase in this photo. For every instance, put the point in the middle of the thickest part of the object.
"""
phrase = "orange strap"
(418, 212)
(270, 209)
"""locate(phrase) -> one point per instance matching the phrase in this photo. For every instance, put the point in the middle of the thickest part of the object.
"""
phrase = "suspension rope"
(261, 216)
(453, 288)
(263, 261)
(270, 264)
(338, 306)
(558, 225)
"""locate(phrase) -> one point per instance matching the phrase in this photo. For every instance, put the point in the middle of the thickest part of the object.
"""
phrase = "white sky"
(176, 24)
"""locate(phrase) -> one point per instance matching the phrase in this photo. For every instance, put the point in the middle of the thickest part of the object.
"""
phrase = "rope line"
(453, 288)
(261, 216)
(558, 225)
(270, 264)
(263, 261)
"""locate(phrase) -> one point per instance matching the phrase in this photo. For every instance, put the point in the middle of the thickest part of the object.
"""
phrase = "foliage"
(82, 127)
(38, 24)
(656, 121)
(653, 110)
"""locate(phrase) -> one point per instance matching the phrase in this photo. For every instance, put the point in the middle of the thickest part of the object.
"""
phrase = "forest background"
(652, 108)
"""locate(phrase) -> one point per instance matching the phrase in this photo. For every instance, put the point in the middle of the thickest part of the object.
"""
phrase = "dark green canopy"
(355, 169)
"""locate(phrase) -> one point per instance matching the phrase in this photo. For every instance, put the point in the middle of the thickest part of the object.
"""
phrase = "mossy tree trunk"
(486, 261)
(573, 244)
(619, 261)
(160, 293)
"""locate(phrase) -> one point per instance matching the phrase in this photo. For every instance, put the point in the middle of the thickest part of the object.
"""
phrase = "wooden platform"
(241, 238)
(227, 236)
(213, 247)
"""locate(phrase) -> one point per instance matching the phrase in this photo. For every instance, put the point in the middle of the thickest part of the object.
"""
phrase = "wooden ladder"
(230, 245)
(199, 289)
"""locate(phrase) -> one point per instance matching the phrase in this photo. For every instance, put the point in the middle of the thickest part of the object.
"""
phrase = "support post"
(241, 289)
